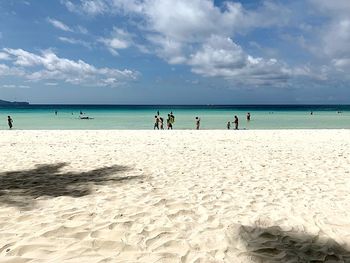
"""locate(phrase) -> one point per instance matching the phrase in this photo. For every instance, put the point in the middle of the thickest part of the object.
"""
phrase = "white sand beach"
(175, 196)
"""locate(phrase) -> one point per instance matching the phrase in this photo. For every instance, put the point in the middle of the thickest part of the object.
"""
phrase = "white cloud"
(168, 49)
(82, 30)
(60, 25)
(119, 39)
(9, 86)
(336, 39)
(341, 63)
(48, 66)
(5, 70)
(331, 39)
(51, 84)
(200, 34)
(12, 86)
(175, 28)
(221, 57)
(90, 7)
(74, 41)
(4, 56)
(338, 7)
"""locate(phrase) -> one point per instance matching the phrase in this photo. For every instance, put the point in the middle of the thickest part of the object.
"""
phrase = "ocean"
(43, 117)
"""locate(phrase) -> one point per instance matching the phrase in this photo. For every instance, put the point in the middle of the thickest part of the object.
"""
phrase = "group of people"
(235, 122)
(159, 121)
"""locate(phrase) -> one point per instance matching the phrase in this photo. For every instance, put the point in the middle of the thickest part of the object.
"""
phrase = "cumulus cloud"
(4, 56)
(168, 49)
(221, 57)
(203, 35)
(5, 70)
(174, 29)
(119, 39)
(331, 37)
(48, 66)
(60, 25)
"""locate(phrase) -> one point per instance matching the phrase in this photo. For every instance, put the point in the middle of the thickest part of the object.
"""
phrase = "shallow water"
(40, 117)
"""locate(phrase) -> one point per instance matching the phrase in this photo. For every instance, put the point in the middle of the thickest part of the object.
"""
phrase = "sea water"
(43, 117)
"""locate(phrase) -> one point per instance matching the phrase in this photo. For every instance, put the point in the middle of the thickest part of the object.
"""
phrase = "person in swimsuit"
(9, 122)
(228, 125)
(198, 123)
(248, 116)
(161, 121)
(156, 123)
(168, 122)
(236, 123)
(172, 118)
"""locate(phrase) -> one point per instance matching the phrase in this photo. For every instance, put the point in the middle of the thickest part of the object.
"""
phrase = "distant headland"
(13, 103)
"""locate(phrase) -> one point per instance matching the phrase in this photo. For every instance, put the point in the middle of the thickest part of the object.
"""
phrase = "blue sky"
(175, 51)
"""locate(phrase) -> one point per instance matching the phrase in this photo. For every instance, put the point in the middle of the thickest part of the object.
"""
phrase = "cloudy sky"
(175, 51)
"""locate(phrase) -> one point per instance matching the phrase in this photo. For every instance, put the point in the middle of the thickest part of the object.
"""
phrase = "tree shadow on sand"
(21, 188)
(272, 245)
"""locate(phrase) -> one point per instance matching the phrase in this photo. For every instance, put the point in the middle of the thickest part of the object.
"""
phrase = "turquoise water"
(42, 117)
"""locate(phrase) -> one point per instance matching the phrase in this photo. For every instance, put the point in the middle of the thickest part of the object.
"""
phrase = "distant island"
(13, 103)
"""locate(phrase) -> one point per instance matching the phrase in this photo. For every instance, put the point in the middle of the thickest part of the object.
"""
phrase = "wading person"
(9, 122)
(156, 123)
(236, 123)
(198, 123)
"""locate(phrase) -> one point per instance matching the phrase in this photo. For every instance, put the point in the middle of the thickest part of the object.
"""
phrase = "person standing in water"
(168, 122)
(172, 119)
(161, 121)
(228, 125)
(156, 123)
(236, 122)
(198, 123)
(9, 122)
(248, 116)
(55, 112)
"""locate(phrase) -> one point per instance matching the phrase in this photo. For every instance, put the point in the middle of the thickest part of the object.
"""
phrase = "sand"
(175, 196)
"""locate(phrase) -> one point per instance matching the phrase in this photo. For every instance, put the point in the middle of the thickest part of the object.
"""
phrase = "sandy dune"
(175, 196)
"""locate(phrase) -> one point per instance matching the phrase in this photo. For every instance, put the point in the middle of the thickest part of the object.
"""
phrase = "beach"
(175, 196)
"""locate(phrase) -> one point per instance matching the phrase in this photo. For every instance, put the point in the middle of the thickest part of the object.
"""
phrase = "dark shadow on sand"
(21, 188)
(272, 245)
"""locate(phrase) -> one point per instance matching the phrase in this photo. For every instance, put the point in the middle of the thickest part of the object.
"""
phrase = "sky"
(175, 51)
